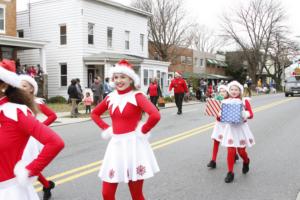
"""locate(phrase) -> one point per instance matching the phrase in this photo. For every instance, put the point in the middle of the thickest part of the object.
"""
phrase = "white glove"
(107, 133)
(245, 114)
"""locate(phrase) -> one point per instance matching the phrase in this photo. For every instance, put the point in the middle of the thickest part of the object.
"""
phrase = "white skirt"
(237, 135)
(12, 190)
(218, 130)
(128, 157)
(32, 150)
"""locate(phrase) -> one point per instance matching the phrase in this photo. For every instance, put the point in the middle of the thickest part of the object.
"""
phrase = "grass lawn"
(63, 107)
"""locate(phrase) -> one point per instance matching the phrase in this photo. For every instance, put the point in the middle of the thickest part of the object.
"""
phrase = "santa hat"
(31, 81)
(222, 87)
(8, 73)
(236, 83)
(178, 73)
(124, 67)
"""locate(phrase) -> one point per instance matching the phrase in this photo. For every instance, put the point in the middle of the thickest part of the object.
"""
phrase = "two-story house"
(86, 38)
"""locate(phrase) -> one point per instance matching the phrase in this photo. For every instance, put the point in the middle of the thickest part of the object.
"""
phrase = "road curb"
(106, 116)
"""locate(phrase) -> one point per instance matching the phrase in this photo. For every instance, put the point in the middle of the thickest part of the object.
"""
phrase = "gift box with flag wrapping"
(231, 111)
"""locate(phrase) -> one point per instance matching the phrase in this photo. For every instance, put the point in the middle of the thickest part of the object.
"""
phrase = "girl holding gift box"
(218, 128)
(237, 136)
(128, 157)
(33, 147)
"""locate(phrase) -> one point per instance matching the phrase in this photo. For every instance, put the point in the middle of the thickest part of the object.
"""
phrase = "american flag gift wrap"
(232, 111)
(212, 107)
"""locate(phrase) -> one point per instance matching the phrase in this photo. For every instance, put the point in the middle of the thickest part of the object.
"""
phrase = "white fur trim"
(245, 114)
(10, 78)
(129, 72)
(31, 81)
(107, 133)
(22, 174)
(222, 87)
(10, 110)
(39, 100)
(139, 131)
(177, 74)
(235, 83)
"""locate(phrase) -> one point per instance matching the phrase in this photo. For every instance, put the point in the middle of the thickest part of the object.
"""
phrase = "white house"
(86, 38)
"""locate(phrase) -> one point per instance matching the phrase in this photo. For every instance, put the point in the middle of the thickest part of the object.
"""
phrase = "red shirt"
(153, 90)
(51, 116)
(179, 85)
(125, 119)
(14, 135)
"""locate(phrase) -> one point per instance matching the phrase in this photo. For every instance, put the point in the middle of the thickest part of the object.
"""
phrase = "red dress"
(129, 155)
(17, 125)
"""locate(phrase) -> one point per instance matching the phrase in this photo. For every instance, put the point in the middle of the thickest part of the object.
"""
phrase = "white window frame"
(61, 35)
(4, 18)
(91, 34)
(63, 75)
(142, 38)
(127, 40)
(109, 41)
(146, 77)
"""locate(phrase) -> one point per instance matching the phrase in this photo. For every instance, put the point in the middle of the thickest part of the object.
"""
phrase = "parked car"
(292, 86)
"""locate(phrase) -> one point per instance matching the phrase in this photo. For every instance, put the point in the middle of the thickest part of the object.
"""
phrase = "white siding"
(104, 16)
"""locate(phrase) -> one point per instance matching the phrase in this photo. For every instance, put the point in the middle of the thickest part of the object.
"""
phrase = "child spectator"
(88, 100)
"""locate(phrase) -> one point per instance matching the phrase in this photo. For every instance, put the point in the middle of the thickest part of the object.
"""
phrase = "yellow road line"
(155, 145)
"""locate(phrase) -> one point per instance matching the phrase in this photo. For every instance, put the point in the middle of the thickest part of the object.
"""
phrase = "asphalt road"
(182, 157)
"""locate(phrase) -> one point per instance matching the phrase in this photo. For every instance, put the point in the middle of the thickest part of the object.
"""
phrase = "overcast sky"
(208, 12)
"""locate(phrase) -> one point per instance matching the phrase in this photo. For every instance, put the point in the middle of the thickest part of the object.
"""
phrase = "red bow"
(8, 65)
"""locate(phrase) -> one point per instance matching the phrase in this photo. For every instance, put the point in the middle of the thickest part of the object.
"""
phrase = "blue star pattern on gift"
(231, 113)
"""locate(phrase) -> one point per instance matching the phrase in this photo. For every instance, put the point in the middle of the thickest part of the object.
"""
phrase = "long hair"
(16, 95)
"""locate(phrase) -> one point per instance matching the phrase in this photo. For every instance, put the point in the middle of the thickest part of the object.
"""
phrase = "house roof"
(124, 7)
(21, 43)
(112, 57)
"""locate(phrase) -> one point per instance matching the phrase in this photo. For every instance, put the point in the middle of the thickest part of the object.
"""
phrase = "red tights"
(215, 150)
(231, 152)
(135, 187)
(43, 180)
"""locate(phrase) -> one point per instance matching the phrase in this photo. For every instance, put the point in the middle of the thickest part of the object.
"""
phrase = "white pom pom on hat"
(124, 67)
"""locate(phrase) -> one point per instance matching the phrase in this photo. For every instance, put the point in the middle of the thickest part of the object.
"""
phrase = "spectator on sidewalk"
(106, 88)
(248, 86)
(88, 100)
(80, 94)
(154, 91)
(97, 89)
(73, 95)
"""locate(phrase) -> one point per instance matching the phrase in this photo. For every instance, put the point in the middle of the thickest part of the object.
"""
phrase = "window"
(183, 59)
(127, 40)
(151, 75)
(196, 62)
(2, 18)
(146, 77)
(91, 33)
(142, 41)
(63, 74)
(189, 60)
(63, 34)
(109, 37)
(20, 33)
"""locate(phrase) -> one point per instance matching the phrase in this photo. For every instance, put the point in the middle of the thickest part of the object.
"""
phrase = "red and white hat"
(31, 81)
(222, 87)
(8, 73)
(178, 73)
(124, 67)
(236, 83)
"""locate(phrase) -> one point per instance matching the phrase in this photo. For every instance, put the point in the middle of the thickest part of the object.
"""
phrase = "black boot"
(47, 191)
(246, 167)
(229, 177)
(212, 164)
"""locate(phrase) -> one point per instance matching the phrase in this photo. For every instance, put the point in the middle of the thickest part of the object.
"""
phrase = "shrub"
(169, 99)
(57, 99)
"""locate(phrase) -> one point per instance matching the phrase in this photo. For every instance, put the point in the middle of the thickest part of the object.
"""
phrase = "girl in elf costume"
(128, 157)
(218, 128)
(18, 124)
(33, 147)
(236, 137)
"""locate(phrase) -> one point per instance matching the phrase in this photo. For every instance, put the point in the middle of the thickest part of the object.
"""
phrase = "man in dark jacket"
(73, 95)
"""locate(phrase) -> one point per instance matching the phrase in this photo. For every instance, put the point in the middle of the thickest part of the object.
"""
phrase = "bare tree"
(252, 28)
(205, 39)
(167, 27)
(280, 53)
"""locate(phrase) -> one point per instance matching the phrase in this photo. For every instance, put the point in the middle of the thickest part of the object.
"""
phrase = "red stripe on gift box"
(213, 107)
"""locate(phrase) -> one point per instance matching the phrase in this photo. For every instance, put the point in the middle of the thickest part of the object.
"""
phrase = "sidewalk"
(63, 117)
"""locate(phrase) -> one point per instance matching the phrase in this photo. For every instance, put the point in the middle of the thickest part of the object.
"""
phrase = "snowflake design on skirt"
(111, 173)
(141, 170)
(230, 141)
(242, 142)
(220, 137)
(251, 141)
